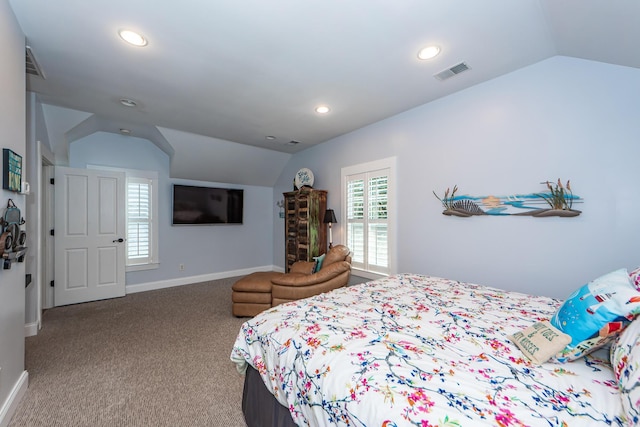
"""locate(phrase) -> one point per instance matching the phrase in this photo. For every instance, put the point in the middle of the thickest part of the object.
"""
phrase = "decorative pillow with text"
(540, 341)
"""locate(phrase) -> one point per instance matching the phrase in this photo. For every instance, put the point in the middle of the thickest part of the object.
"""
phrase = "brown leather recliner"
(301, 282)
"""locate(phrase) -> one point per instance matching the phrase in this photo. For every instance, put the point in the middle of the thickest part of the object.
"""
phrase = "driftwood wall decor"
(558, 200)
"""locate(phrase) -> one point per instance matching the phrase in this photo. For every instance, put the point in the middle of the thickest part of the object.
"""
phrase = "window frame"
(370, 170)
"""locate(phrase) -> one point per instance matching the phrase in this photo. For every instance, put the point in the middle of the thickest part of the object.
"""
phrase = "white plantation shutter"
(377, 246)
(367, 202)
(355, 218)
(139, 221)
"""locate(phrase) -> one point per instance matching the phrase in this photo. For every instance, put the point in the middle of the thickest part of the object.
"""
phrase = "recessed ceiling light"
(128, 102)
(132, 37)
(125, 131)
(322, 109)
(428, 52)
(270, 138)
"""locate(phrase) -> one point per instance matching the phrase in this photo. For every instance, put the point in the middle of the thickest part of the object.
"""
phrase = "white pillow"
(625, 360)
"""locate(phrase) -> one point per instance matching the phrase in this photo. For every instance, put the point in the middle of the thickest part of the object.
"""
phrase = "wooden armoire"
(305, 235)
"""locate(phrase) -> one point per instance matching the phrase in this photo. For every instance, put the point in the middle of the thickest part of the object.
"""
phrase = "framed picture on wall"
(11, 170)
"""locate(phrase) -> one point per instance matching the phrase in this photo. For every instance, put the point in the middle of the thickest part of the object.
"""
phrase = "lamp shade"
(329, 217)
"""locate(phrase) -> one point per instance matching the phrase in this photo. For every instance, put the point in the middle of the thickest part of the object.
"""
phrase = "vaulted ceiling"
(253, 71)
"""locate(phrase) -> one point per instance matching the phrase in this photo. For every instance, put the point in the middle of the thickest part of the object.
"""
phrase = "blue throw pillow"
(594, 314)
(319, 261)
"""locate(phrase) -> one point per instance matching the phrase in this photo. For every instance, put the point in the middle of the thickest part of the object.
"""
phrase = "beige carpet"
(158, 358)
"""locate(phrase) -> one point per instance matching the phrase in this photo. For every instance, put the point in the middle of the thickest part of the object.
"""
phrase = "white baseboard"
(162, 284)
(31, 329)
(11, 404)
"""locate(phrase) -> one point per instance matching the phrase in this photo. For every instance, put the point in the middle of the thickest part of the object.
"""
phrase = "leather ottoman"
(252, 294)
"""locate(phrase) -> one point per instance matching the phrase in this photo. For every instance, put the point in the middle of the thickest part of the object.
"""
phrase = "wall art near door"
(11, 170)
(557, 200)
(12, 238)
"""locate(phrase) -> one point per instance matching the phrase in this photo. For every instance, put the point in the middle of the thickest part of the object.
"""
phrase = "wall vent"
(32, 66)
(451, 71)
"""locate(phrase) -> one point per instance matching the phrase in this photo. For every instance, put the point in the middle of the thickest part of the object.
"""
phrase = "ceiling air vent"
(452, 71)
(32, 66)
(293, 142)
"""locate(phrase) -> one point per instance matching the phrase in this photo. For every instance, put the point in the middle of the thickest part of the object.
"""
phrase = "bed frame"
(259, 406)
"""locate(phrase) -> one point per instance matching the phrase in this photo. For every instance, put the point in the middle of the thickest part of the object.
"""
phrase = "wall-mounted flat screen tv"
(206, 205)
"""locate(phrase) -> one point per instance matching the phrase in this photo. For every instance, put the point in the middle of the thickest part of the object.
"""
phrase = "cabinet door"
(290, 230)
(302, 227)
(305, 233)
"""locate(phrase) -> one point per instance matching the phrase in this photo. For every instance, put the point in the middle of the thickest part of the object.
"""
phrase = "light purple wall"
(561, 118)
(13, 131)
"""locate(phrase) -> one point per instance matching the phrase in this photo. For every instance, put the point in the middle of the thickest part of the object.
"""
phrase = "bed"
(414, 350)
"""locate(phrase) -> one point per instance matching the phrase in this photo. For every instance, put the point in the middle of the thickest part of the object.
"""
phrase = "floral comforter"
(412, 350)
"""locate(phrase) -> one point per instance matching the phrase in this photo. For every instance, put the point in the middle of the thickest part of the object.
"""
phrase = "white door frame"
(44, 214)
(48, 241)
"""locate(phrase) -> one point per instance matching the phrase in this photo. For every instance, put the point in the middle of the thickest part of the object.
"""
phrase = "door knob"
(120, 240)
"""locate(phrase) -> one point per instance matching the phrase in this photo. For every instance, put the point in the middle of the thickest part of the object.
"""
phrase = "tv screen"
(206, 205)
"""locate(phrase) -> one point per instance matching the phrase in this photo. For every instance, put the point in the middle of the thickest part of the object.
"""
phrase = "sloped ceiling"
(238, 72)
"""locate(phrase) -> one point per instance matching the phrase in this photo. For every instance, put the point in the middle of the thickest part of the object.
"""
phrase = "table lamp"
(329, 218)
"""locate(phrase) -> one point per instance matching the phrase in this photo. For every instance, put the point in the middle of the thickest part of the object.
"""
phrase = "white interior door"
(89, 235)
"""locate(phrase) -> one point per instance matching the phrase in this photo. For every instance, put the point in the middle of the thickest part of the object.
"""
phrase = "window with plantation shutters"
(139, 221)
(142, 223)
(368, 204)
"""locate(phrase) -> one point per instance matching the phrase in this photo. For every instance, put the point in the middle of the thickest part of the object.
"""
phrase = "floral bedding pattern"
(413, 350)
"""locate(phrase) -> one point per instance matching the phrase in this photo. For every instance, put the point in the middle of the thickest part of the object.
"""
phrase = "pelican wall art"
(558, 200)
